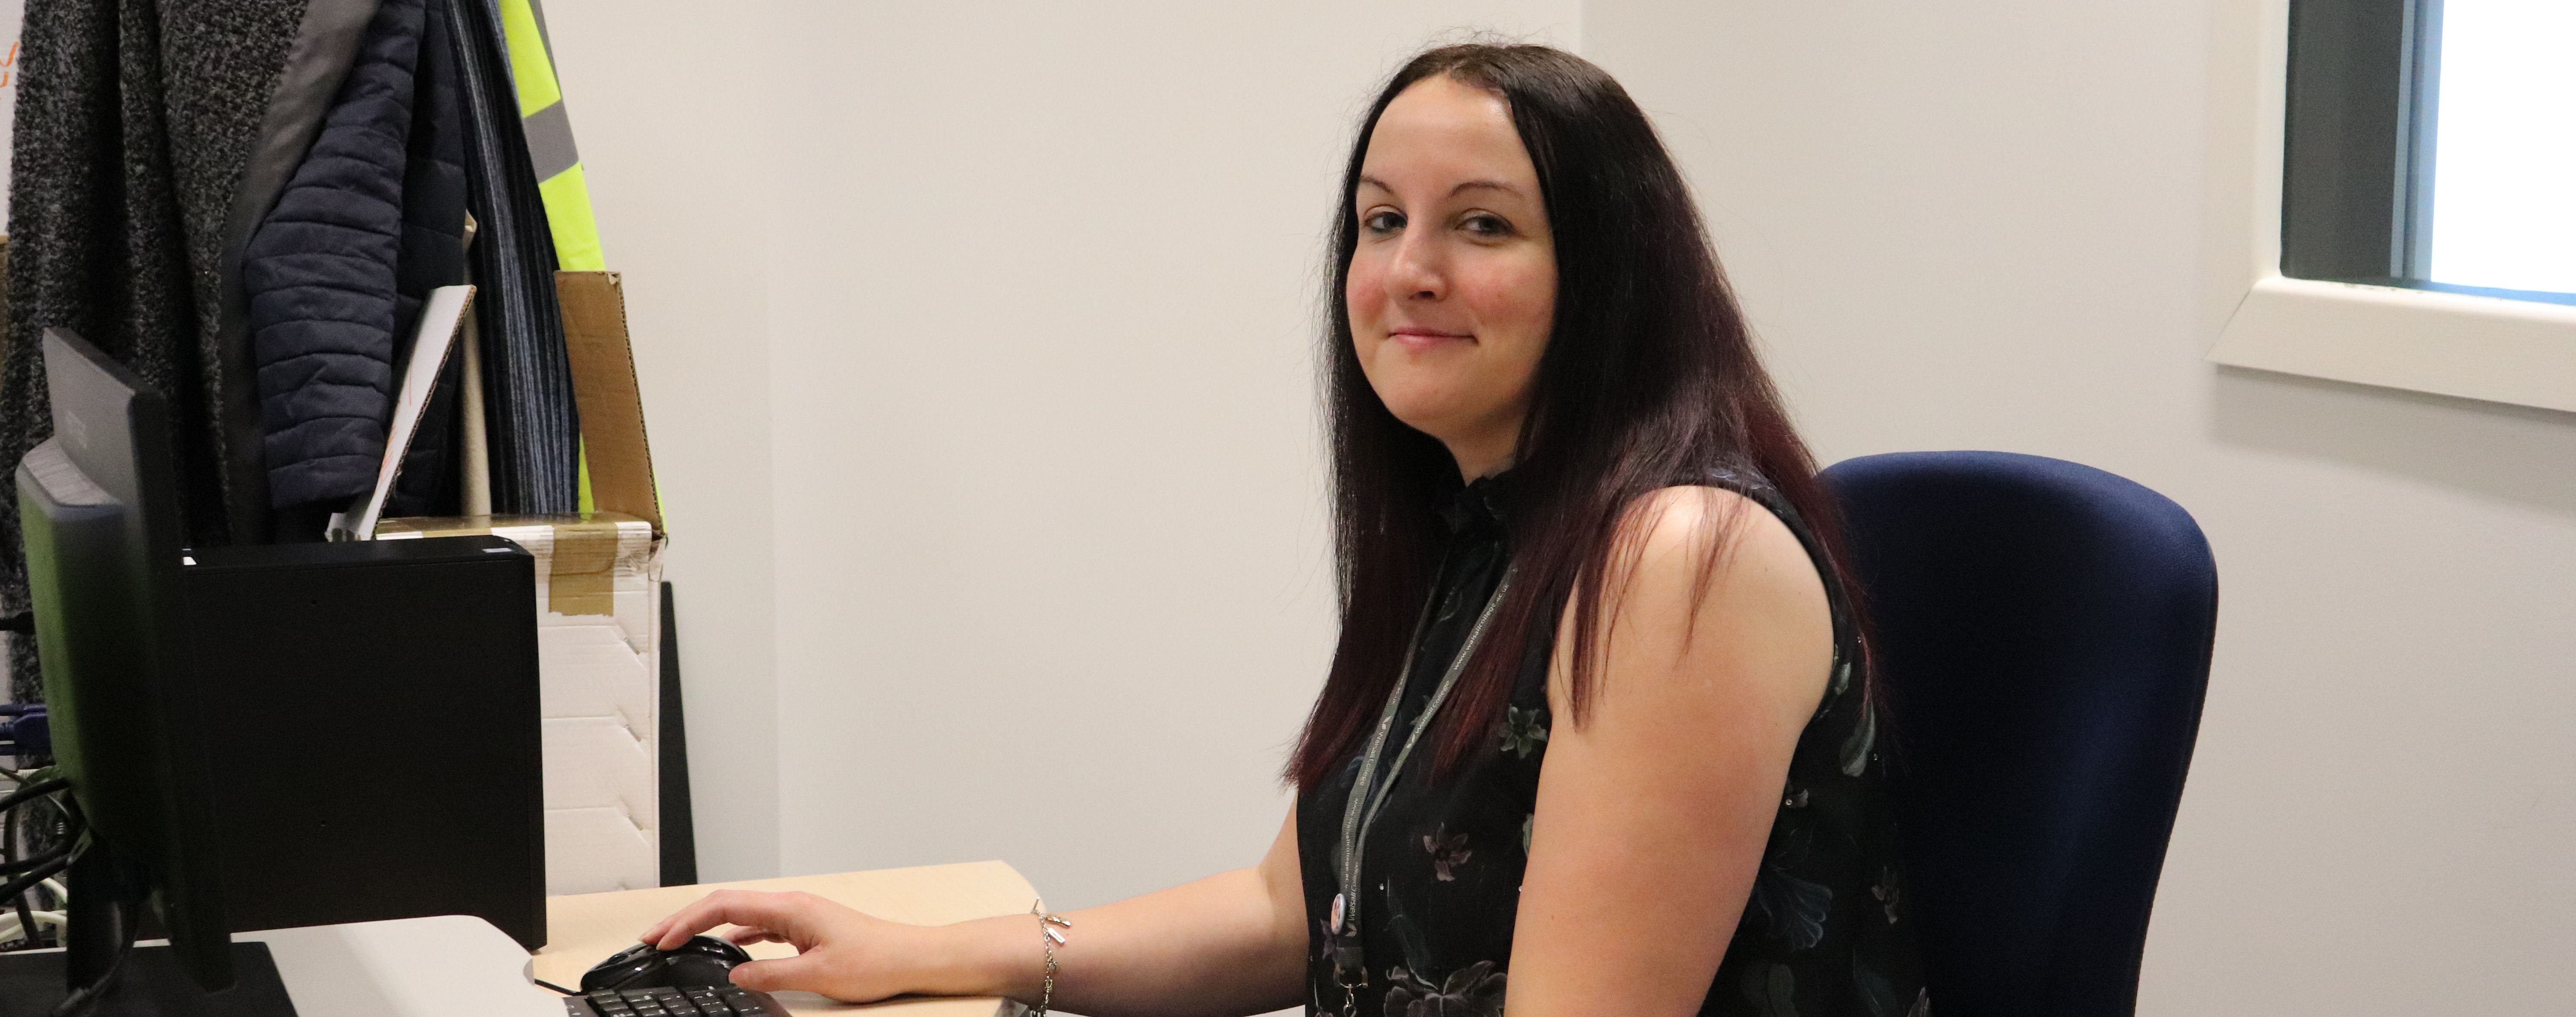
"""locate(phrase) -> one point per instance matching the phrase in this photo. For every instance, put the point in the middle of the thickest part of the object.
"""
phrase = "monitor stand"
(150, 984)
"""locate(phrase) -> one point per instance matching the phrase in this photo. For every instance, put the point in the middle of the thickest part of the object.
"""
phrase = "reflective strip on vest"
(549, 131)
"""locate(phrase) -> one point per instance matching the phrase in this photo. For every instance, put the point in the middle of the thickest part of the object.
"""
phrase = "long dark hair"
(1649, 380)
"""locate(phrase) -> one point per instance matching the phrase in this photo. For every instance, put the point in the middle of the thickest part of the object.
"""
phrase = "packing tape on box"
(582, 578)
(581, 552)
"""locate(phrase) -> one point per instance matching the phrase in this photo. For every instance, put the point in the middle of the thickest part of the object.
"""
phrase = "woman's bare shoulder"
(1708, 578)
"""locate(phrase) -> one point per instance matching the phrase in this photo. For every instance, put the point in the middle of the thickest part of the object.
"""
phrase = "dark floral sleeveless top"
(1826, 932)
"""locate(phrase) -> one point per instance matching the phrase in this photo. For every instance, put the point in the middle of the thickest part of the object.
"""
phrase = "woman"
(1595, 735)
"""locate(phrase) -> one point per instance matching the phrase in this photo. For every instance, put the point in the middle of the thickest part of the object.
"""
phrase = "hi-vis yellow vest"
(549, 131)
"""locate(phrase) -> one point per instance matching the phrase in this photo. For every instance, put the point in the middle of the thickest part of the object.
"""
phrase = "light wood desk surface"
(583, 929)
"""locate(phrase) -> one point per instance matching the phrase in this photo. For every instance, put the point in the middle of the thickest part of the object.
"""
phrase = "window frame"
(2334, 212)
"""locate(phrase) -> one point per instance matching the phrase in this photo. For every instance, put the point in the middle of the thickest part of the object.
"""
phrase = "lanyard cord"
(1369, 795)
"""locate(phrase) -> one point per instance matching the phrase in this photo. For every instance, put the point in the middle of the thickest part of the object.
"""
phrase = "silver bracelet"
(1051, 928)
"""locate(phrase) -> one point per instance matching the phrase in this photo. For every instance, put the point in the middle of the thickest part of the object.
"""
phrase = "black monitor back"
(98, 505)
(377, 748)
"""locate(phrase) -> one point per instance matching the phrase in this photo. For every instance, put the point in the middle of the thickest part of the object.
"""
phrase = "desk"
(444, 966)
(455, 966)
(582, 930)
(447, 966)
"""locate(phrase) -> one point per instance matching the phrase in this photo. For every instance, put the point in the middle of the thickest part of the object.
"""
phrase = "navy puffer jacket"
(371, 220)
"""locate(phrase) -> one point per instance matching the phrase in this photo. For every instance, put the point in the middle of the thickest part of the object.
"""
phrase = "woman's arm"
(1654, 810)
(1233, 943)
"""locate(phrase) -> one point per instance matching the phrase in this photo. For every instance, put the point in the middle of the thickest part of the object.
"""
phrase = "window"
(2394, 193)
(2431, 144)
(2500, 185)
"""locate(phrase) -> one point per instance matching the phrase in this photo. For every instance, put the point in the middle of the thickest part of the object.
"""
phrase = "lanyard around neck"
(1368, 794)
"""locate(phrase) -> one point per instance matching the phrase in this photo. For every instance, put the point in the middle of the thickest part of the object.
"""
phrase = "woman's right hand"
(840, 952)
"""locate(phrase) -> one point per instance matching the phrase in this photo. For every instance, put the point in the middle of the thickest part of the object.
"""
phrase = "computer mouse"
(702, 961)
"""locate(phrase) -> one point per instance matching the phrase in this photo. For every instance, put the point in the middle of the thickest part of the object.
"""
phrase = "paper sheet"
(440, 316)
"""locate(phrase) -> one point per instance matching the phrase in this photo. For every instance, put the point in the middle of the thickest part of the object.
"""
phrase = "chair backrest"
(2041, 633)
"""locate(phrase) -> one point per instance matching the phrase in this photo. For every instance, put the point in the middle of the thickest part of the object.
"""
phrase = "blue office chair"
(2041, 632)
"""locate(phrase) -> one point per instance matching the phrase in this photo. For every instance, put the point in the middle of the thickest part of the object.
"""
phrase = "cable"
(21, 832)
(13, 929)
(126, 925)
(57, 863)
(27, 921)
(14, 868)
(542, 983)
(30, 871)
(88, 996)
(31, 792)
(26, 916)
(48, 824)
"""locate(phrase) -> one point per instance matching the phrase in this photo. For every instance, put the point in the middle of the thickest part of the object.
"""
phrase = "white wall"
(1987, 226)
(975, 342)
(671, 114)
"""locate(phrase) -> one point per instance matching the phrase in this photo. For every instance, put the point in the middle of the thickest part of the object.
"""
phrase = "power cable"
(87, 997)
(16, 867)
(12, 889)
(31, 792)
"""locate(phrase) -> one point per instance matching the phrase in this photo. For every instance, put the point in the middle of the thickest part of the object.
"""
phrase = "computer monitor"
(97, 503)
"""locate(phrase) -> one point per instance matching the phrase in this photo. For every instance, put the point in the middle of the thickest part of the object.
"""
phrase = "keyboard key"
(693, 1001)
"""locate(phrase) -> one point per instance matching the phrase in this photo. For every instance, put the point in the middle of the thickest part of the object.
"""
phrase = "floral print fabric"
(1825, 932)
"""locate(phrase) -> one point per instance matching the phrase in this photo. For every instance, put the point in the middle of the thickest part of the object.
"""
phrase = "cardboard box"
(599, 592)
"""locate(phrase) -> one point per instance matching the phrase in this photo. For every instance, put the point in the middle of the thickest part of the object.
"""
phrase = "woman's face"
(1453, 285)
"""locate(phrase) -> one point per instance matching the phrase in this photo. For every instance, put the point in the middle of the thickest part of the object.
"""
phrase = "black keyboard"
(725, 1001)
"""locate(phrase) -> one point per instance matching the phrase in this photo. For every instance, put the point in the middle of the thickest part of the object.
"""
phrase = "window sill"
(2508, 351)
(2476, 347)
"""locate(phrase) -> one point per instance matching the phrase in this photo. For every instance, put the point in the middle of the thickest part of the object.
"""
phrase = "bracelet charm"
(1051, 928)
